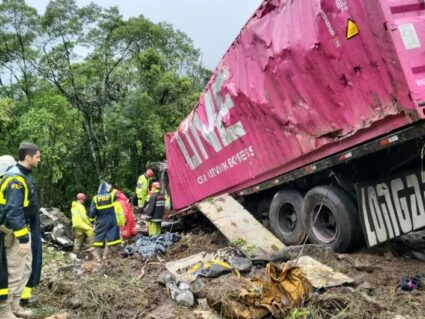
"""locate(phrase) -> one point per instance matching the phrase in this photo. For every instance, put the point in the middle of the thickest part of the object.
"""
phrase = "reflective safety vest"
(79, 216)
(107, 201)
(5, 183)
(142, 190)
(104, 201)
(7, 179)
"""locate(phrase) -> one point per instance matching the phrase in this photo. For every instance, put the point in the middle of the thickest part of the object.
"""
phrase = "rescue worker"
(155, 210)
(20, 235)
(142, 189)
(83, 231)
(104, 209)
(129, 229)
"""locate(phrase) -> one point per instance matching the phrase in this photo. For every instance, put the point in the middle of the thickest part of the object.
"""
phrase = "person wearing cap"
(20, 235)
(105, 209)
(155, 210)
(142, 188)
(83, 231)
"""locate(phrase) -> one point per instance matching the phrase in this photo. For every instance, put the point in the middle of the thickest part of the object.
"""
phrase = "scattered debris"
(178, 268)
(56, 228)
(321, 275)
(240, 227)
(129, 287)
(181, 294)
(165, 277)
(363, 265)
(208, 265)
(283, 288)
(152, 246)
(240, 263)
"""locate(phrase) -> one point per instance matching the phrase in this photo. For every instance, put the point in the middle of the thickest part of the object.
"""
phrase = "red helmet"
(156, 185)
(150, 173)
(81, 196)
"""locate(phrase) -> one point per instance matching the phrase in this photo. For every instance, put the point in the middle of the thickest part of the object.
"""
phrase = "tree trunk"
(92, 145)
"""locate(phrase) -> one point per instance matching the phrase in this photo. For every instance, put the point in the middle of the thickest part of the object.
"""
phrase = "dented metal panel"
(303, 80)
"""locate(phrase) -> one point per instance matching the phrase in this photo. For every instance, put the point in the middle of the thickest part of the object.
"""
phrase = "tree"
(19, 24)
(95, 91)
(51, 124)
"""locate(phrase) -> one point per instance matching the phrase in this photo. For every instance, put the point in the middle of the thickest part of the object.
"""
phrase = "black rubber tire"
(263, 207)
(285, 206)
(344, 232)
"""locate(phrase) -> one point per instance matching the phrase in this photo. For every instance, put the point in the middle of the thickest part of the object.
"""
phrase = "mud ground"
(127, 287)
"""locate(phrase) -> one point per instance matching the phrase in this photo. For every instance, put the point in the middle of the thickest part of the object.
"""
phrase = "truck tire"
(263, 208)
(337, 225)
(285, 216)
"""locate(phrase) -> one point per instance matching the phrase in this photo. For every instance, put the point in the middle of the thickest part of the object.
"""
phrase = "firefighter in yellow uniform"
(142, 189)
(83, 231)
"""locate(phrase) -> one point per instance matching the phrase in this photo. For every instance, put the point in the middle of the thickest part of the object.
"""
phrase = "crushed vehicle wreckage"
(56, 228)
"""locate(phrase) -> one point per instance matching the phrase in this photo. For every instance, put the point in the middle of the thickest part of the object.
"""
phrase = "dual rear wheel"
(326, 214)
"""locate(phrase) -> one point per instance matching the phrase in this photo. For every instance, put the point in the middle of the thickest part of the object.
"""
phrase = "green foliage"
(299, 313)
(95, 91)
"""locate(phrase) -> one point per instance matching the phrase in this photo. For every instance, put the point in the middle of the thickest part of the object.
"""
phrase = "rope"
(314, 221)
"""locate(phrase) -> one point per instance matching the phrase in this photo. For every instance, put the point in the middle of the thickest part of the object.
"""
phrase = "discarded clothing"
(284, 288)
(151, 246)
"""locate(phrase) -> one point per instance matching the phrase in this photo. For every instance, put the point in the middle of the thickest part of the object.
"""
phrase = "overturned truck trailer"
(314, 117)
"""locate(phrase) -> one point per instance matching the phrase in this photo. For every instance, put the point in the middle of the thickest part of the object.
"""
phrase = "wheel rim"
(287, 218)
(324, 228)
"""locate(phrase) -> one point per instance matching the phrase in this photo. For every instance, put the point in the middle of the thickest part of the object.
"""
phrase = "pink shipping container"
(303, 81)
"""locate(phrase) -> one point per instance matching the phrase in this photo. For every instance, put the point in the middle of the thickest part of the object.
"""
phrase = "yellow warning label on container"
(352, 29)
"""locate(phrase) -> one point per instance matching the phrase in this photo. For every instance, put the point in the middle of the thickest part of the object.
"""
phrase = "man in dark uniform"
(20, 237)
(104, 208)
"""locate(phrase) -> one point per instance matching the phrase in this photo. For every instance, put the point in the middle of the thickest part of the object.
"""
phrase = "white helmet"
(5, 162)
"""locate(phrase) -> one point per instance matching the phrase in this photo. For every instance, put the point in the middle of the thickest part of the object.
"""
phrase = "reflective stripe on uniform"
(26, 293)
(104, 206)
(4, 292)
(98, 244)
(5, 183)
(111, 243)
(21, 232)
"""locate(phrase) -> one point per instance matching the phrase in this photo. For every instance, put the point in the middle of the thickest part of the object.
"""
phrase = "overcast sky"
(211, 24)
